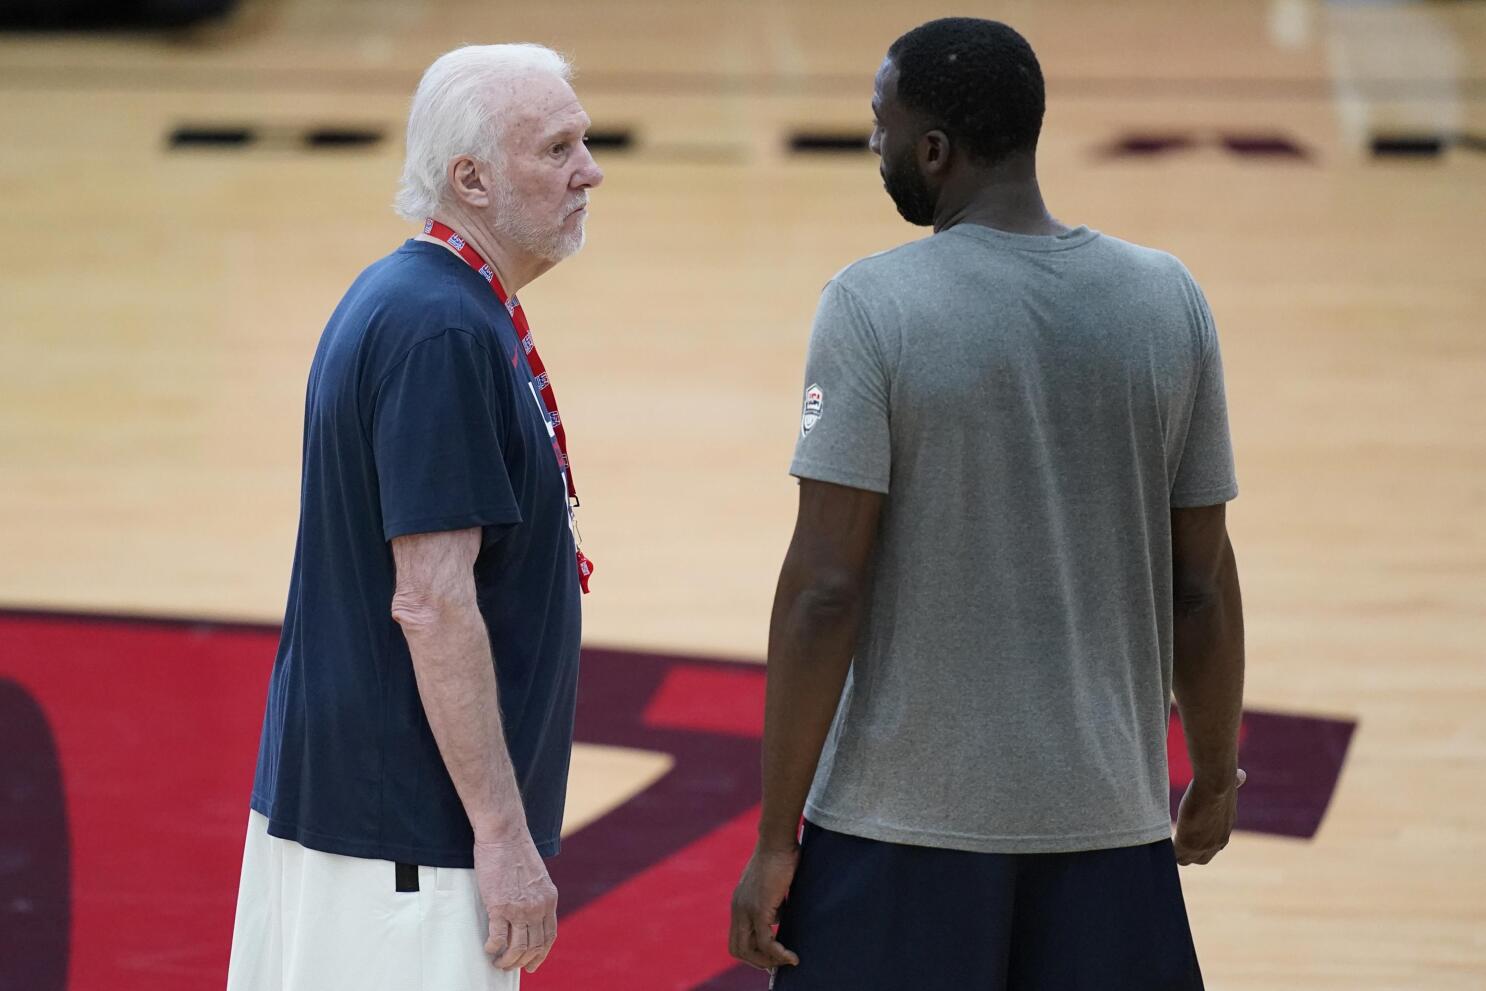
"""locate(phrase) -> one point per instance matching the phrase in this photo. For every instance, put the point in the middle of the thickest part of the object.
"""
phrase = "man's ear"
(933, 153)
(467, 181)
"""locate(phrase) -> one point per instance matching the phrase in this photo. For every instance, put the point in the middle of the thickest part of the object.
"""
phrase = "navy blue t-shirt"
(421, 416)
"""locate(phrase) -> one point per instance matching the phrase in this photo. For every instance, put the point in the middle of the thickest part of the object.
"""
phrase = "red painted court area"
(126, 756)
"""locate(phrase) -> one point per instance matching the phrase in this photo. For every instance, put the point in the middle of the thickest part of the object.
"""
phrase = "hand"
(1204, 820)
(521, 901)
(756, 903)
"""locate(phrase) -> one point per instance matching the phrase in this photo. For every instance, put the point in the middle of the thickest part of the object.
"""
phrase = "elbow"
(1202, 590)
(830, 599)
(1191, 599)
(417, 609)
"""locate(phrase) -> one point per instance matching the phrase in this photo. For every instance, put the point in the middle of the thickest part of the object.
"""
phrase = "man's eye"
(559, 148)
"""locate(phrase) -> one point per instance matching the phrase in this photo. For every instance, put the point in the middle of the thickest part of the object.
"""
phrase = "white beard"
(548, 242)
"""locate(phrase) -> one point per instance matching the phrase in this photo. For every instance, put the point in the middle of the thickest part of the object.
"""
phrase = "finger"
(741, 947)
(740, 935)
(520, 943)
(499, 938)
(753, 956)
(549, 936)
(1242, 777)
(772, 949)
(537, 949)
(539, 958)
(741, 944)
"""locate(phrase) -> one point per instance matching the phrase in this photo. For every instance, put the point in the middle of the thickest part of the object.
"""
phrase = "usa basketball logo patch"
(814, 402)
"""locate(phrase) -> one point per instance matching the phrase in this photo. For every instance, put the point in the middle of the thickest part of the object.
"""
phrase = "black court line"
(828, 142)
(273, 137)
(194, 136)
(60, 77)
(342, 137)
(1408, 146)
(612, 139)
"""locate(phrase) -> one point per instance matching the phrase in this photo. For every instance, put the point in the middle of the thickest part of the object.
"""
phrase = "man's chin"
(567, 245)
(923, 218)
(917, 220)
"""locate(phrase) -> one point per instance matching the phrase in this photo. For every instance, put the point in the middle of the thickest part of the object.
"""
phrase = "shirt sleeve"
(436, 439)
(844, 423)
(1204, 472)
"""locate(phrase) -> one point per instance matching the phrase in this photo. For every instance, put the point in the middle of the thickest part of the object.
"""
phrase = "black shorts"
(864, 915)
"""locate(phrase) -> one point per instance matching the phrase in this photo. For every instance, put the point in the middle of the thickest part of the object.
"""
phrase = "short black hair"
(976, 80)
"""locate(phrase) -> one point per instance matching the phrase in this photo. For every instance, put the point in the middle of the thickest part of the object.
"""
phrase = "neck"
(1005, 197)
(515, 268)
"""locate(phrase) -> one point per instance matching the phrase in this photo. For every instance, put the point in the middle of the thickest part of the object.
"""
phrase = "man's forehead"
(885, 83)
(566, 118)
(545, 103)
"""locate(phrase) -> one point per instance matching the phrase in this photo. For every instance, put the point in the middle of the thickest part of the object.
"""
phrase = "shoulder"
(1151, 266)
(1165, 286)
(422, 284)
(1158, 276)
(871, 278)
(871, 293)
(418, 295)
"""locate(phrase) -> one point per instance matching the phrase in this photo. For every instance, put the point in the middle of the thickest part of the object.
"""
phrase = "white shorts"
(313, 921)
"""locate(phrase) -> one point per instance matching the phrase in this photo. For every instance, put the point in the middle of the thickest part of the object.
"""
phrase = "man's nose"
(589, 175)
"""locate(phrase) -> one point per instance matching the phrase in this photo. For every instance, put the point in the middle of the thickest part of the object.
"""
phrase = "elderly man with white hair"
(414, 757)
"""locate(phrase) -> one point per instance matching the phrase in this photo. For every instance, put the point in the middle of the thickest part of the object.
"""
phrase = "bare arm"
(435, 605)
(817, 610)
(1208, 676)
(812, 633)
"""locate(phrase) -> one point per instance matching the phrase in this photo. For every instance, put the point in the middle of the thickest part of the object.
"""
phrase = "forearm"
(811, 639)
(1208, 674)
(456, 682)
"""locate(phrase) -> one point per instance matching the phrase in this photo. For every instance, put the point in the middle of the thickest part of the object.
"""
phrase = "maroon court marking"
(154, 730)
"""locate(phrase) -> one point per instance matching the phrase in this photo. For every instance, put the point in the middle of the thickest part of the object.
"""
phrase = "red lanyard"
(534, 362)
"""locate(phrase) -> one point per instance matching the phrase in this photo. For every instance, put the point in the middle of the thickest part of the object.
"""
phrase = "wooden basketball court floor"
(159, 306)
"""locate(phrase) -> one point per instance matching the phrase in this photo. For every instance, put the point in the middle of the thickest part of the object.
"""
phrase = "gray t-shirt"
(1033, 407)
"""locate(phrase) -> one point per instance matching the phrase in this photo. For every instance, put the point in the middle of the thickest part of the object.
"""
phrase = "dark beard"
(908, 190)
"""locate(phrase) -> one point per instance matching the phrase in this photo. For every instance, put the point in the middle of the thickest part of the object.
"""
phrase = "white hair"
(456, 112)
